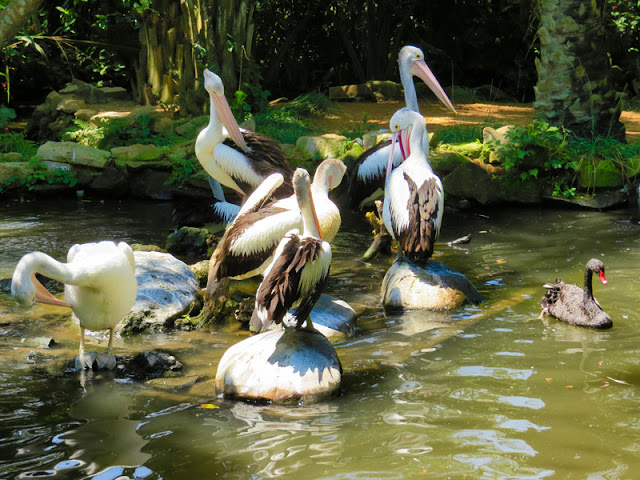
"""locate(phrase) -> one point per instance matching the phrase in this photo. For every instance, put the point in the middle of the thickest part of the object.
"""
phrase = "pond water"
(485, 391)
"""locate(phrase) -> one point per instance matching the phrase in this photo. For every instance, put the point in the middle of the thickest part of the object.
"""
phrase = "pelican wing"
(283, 285)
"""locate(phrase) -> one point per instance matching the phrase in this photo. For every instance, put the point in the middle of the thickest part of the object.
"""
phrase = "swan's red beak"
(603, 279)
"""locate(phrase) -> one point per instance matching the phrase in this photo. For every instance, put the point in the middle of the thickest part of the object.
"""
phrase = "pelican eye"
(396, 127)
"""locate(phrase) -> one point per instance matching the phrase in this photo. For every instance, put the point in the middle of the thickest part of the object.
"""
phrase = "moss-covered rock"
(603, 174)
(188, 241)
(324, 146)
(471, 181)
(445, 162)
(73, 154)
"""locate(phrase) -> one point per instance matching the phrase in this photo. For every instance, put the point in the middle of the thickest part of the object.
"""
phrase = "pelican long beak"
(603, 279)
(394, 139)
(420, 69)
(226, 117)
(316, 222)
(43, 295)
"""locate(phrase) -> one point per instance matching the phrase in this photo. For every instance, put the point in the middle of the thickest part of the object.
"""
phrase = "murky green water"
(484, 392)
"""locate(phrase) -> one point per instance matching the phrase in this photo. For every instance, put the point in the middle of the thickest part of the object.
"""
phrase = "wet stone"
(282, 366)
(434, 287)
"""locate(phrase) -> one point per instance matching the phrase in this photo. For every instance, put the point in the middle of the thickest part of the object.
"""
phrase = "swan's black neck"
(588, 285)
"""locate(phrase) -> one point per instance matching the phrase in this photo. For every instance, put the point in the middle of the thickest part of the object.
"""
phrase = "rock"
(172, 383)
(600, 201)
(11, 157)
(148, 365)
(385, 89)
(13, 170)
(443, 163)
(114, 93)
(151, 183)
(601, 175)
(39, 342)
(167, 290)
(112, 180)
(190, 241)
(371, 139)
(471, 181)
(496, 135)
(435, 287)
(332, 317)
(102, 118)
(360, 92)
(284, 366)
(138, 155)
(71, 105)
(351, 156)
(85, 114)
(74, 154)
(201, 272)
(329, 145)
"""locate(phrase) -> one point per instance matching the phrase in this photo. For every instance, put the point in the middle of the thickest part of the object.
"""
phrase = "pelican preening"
(249, 242)
(243, 163)
(299, 270)
(414, 198)
(369, 171)
(99, 286)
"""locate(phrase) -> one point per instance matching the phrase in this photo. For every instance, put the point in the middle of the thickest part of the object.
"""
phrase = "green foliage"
(119, 132)
(182, 167)
(39, 173)
(16, 142)
(359, 129)
(6, 114)
(459, 133)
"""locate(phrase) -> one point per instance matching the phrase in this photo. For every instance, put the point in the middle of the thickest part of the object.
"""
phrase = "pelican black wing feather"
(227, 264)
(418, 239)
(268, 158)
(279, 290)
(359, 188)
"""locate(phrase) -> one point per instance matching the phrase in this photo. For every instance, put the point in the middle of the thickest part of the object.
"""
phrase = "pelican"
(248, 244)
(368, 174)
(243, 166)
(100, 287)
(414, 199)
(300, 267)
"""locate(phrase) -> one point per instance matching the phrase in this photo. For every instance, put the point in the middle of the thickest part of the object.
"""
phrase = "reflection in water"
(108, 439)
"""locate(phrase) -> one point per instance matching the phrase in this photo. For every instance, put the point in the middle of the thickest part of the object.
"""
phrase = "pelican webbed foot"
(85, 360)
(106, 360)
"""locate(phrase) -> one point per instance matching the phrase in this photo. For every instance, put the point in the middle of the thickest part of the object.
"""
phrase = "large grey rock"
(74, 154)
(283, 366)
(435, 287)
(139, 155)
(360, 92)
(167, 290)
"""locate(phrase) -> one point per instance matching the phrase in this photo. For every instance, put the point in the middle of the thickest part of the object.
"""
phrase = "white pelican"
(100, 287)
(249, 242)
(368, 173)
(300, 267)
(414, 198)
(242, 164)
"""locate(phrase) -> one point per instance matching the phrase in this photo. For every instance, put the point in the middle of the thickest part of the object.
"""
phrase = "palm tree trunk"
(574, 86)
(14, 16)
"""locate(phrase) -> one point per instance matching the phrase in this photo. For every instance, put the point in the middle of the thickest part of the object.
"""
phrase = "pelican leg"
(84, 359)
(108, 359)
(310, 324)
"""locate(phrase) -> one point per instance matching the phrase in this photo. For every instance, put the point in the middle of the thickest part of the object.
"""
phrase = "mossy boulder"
(74, 154)
(385, 89)
(329, 145)
(445, 162)
(188, 241)
(600, 175)
(471, 181)
(139, 155)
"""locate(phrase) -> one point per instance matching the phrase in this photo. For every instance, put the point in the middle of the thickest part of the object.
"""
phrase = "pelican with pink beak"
(414, 197)
(238, 159)
(369, 172)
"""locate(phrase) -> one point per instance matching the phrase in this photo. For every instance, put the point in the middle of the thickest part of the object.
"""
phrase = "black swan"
(576, 305)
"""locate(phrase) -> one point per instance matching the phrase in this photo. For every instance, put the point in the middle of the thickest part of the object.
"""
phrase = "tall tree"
(14, 16)
(179, 39)
(574, 86)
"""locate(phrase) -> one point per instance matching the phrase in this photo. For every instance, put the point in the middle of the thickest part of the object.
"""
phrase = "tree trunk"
(574, 87)
(14, 16)
(179, 39)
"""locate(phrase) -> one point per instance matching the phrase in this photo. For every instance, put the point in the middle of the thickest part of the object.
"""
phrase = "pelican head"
(402, 125)
(214, 86)
(411, 59)
(329, 174)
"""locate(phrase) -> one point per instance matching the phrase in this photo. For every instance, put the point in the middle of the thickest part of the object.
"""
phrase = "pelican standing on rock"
(249, 242)
(576, 305)
(241, 164)
(414, 197)
(368, 174)
(300, 267)
(99, 286)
